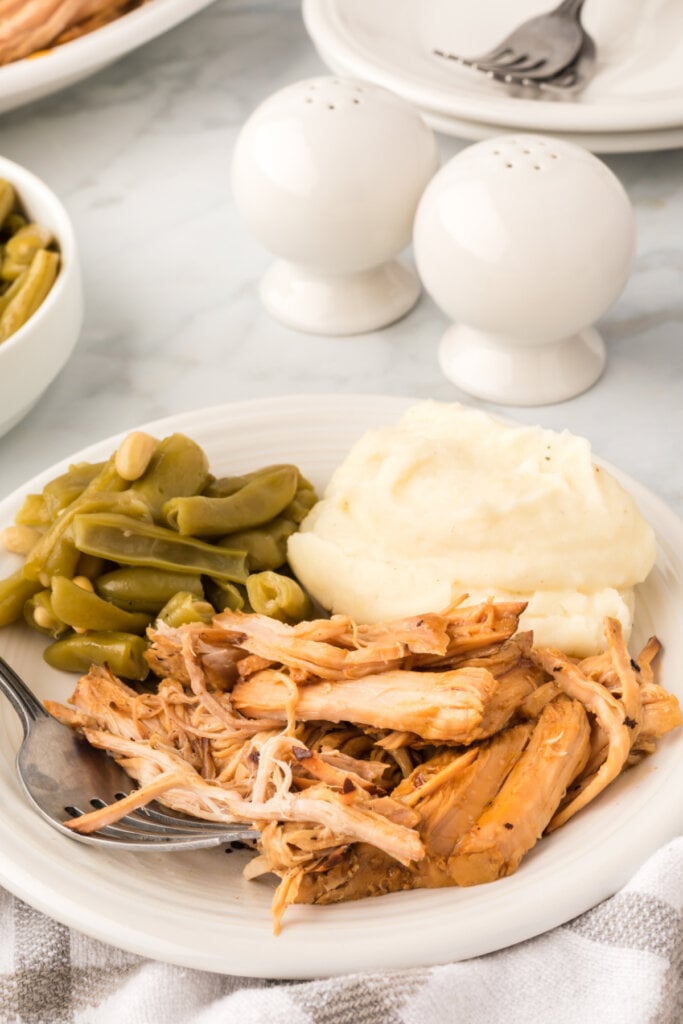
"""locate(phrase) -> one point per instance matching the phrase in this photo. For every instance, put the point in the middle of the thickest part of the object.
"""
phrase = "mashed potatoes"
(450, 501)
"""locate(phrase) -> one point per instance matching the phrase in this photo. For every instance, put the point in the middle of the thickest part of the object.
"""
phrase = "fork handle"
(570, 7)
(25, 703)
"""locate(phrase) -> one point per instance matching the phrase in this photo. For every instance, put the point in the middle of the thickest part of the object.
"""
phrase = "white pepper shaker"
(328, 173)
(524, 241)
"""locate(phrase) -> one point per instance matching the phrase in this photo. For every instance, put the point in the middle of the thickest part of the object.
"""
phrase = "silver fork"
(561, 86)
(537, 50)
(64, 777)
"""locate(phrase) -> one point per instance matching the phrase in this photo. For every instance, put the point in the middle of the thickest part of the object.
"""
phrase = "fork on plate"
(549, 50)
(63, 777)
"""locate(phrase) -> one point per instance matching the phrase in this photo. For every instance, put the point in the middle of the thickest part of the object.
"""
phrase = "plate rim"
(287, 960)
(645, 141)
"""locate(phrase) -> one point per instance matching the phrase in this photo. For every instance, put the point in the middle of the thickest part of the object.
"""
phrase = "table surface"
(140, 155)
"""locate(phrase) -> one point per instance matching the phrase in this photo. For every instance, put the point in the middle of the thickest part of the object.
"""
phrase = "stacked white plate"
(633, 101)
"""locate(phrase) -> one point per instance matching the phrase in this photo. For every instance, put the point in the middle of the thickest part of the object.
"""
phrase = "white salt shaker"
(524, 241)
(328, 173)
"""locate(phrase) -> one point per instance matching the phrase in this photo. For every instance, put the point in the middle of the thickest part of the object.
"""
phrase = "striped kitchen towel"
(620, 963)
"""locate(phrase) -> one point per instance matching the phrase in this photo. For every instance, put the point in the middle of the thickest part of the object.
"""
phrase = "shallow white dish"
(194, 909)
(638, 84)
(26, 80)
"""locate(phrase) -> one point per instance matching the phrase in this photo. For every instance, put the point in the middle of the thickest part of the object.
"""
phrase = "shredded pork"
(432, 751)
(30, 26)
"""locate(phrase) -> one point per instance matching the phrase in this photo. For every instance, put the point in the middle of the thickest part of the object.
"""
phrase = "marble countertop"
(140, 154)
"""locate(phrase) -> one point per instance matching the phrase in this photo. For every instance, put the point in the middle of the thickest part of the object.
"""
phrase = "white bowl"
(32, 357)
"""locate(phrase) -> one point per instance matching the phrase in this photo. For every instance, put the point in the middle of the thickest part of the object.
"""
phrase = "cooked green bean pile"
(150, 534)
(28, 263)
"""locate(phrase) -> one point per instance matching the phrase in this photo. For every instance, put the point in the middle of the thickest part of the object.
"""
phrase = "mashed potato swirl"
(450, 500)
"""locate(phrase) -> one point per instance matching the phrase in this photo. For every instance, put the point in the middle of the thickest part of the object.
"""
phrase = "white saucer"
(638, 83)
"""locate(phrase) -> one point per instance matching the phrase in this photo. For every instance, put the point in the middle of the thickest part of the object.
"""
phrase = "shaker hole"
(330, 106)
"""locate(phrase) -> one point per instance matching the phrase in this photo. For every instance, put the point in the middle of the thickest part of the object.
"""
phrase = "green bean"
(10, 270)
(224, 486)
(266, 546)
(39, 279)
(142, 589)
(40, 615)
(25, 243)
(33, 512)
(64, 489)
(56, 554)
(178, 467)
(15, 591)
(131, 542)
(223, 594)
(8, 199)
(279, 597)
(122, 652)
(55, 551)
(13, 290)
(90, 566)
(83, 609)
(13, 223)
(184, 607)
(259, 501)
(302, 502)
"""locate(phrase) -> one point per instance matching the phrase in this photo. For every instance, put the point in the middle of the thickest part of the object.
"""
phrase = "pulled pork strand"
(440, 765)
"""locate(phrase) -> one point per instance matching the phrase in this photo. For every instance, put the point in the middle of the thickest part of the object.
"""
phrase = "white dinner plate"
(596, 142)
(638, 83)
(196, 910)
(26, 80)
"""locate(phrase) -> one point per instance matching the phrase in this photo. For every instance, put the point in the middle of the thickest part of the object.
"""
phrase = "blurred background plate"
(596, 142)
(25, 80)
(637, 86)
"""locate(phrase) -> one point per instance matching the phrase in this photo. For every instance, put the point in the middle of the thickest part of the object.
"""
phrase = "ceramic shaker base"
(336, 304)
(498, 370)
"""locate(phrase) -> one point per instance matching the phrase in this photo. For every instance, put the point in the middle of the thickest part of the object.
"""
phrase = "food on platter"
(29, 263)
(150, 534)
(429, 751)
(451, 500)
(28, 27)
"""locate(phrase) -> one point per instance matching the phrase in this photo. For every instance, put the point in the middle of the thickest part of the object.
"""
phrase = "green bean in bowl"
(41, 291)
(150, 534)
(29, 262)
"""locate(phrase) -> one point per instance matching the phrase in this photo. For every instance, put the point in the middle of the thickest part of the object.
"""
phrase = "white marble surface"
(140, 155)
